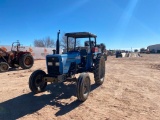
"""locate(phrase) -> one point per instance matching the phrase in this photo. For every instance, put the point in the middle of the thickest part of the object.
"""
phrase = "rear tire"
(83, 87)
(36, 83)
(4, 67)
(99, 73)
(105, 57)
(26, 61)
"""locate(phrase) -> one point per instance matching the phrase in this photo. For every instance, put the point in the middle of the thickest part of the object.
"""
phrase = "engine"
(58, 64)
(53, 65)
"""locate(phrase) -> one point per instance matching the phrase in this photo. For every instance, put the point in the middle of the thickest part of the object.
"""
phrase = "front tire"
(99, 73)
(4, 67)
(36, 82)
(83, 87)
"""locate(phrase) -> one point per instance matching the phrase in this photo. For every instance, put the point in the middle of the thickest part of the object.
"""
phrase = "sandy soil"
(130, 92)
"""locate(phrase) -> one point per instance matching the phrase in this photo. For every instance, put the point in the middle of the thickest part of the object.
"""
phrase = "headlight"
(57, 64)
(50, 64)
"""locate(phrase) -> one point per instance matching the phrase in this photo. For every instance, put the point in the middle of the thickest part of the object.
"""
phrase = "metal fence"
(37, 52)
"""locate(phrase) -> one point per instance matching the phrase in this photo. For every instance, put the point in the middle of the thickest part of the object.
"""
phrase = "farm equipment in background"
(15, 58)
(118, 54)
(63, 67)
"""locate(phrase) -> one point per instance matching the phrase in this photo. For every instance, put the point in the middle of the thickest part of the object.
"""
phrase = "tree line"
(49, 42)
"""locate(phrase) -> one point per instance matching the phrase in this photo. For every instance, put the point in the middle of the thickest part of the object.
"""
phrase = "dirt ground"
(131, 91)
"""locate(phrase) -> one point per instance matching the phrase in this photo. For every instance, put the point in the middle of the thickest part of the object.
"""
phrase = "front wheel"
(36, 82)
(83, 86)
(4, 67)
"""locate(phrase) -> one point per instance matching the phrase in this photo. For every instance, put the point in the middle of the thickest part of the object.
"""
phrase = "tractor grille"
(53, 69)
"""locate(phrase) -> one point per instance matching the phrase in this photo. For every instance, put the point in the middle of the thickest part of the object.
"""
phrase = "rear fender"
(22, 53)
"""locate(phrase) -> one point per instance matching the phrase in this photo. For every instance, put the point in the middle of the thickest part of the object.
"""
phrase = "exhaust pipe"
(57, 43)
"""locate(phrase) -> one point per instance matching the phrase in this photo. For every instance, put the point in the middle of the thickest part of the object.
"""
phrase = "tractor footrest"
(50, 79)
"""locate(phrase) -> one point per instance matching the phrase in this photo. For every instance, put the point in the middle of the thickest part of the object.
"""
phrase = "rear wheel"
(26, 61)
(83, 86)
(105, 57)
(36, 82)
(4, 67)
(99, 73)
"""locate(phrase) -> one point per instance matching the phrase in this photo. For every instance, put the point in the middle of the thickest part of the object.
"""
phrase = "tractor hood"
(70, 56)
(65, 60)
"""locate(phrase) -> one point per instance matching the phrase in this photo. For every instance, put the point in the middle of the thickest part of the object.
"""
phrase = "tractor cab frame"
(77, 35)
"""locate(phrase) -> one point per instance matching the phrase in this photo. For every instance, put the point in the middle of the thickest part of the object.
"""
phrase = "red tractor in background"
(15, 58)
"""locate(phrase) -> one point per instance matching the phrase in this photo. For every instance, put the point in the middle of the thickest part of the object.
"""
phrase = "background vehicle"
(15, 58)
(118, 54)
(63, 67)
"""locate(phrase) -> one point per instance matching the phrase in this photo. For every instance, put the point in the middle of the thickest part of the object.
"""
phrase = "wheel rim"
(39, 83)
(28, 61)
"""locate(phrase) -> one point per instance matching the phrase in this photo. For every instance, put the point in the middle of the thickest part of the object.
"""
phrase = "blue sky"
(120, 24)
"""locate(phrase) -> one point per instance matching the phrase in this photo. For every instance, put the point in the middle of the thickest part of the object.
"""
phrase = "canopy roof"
(80, 35)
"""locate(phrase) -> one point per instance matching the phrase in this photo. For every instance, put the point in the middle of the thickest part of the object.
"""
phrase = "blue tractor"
(63, 67)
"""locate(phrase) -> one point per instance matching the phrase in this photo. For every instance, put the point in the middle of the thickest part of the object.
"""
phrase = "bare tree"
(47, 42)
(135, 50)
(63, 42)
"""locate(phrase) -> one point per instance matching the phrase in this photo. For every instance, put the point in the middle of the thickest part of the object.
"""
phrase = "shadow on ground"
(28, 103)
(14, 69)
